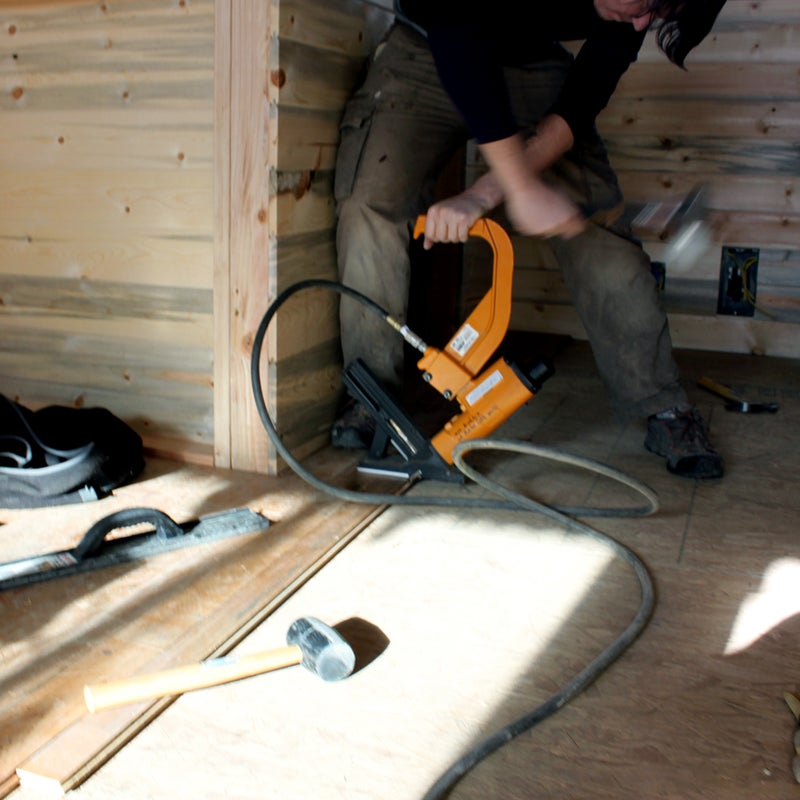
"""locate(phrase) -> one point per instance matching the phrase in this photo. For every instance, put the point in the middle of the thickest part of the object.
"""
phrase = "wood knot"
(278, 78)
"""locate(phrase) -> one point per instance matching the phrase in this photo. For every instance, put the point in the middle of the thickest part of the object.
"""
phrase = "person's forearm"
(514, 178)
(533, 207)
(486, 192)
(552, 139)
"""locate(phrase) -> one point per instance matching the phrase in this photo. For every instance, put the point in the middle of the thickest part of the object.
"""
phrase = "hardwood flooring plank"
(187, 605)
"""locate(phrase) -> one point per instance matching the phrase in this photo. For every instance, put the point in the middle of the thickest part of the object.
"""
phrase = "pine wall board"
(106, 203)
(322, 53)
(279, 100)
(166, 167)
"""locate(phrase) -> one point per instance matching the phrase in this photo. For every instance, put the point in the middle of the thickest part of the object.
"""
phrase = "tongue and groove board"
(173, 608)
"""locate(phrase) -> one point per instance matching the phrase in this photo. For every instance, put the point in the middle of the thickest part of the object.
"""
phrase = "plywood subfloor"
(180, 606)
(463, 621)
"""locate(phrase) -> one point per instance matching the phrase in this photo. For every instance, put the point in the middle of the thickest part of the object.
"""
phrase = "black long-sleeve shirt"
(470, 51)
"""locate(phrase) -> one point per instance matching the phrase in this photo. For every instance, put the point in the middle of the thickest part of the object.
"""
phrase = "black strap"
(165, 528)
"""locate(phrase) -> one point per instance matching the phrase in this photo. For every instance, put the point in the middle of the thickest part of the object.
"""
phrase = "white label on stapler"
(464, 339)
(484, 387)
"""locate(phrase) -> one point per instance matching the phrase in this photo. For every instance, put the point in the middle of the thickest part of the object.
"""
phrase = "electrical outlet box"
(738, 272)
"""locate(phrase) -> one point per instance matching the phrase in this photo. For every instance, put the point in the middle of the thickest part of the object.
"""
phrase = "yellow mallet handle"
(192, 676)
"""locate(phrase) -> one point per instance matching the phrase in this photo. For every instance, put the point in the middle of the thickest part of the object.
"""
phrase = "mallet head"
(324, 650)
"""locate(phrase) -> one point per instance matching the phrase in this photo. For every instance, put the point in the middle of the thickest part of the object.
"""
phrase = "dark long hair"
(684, 24)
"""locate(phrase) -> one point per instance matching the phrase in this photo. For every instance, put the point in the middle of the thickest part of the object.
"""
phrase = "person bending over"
(449, 71)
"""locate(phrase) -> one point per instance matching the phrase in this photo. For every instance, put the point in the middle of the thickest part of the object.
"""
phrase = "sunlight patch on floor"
(775, 601)
(493, 594)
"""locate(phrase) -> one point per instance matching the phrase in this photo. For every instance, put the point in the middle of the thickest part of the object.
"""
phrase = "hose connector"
(415, 341)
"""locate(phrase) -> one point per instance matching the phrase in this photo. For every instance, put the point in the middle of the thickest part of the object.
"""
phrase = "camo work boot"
(681, 436)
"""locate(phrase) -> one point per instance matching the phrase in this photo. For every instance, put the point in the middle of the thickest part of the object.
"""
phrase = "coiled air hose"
(511, 500)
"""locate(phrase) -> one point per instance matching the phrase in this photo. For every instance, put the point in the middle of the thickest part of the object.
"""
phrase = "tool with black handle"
(95, 550)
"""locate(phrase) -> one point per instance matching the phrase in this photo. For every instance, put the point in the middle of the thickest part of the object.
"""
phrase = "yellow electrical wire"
(749, 297)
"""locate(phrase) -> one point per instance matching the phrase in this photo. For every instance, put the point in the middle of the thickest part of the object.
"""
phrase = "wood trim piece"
(222, 231)
(689, 331)
(244, 257)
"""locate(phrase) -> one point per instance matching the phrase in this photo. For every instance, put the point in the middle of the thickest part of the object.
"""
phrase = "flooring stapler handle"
(165, 528)
(483, 228)
(483, 331)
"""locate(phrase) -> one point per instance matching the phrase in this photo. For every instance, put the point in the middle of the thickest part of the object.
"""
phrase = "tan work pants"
(398, 131)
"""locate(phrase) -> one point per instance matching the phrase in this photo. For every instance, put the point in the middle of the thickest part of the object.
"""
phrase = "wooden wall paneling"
(130, 204)
(309, 367)
(141, 148)
(322, 55)
(222, 232)
(312, 77)
(106, 211)
(292, 66)
(739, 79)
(761, 120)
(764, 11)
(244, 271)
(54, 134)
(149, 260)
(734, 127)
(715, 333)
(349, 27)
(312, 136)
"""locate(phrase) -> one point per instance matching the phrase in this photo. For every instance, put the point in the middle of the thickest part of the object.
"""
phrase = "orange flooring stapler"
(487, 396)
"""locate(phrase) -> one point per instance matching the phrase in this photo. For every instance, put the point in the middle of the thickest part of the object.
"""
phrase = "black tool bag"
(59, 455)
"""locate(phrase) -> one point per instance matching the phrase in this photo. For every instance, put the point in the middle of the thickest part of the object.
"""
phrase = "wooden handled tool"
(319, 647)
(735, 403)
